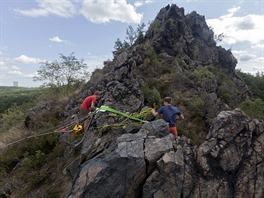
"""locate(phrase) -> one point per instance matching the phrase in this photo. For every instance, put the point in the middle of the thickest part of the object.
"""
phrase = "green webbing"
(105, 108)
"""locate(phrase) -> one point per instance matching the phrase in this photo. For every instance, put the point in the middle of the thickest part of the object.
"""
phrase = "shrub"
(196, 105)
(35, 179)
(12, 116)
(255, 83)
(253, 108)
(202, 75)
(31, 153)
(152, 95)
(151, 63)
(225, 92)
(33, 161)
(227, 89)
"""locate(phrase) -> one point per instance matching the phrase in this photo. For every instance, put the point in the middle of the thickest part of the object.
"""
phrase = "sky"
(35, 31)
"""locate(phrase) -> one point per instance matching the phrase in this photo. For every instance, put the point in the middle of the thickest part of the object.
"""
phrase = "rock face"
(144, 164)
(177, 57)
(36, 114)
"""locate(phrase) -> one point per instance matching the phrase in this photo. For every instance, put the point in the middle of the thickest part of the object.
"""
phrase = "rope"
(28, 137)
(59, 129)
(105, 108)
(83, 137)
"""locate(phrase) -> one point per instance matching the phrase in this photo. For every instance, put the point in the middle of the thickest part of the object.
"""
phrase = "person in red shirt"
(89, 102)
(89, 105)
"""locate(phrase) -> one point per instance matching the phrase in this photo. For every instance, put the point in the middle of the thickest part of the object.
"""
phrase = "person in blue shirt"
(170, 114)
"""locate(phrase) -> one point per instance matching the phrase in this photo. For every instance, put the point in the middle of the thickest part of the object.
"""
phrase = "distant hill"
(19, 90)
(16, 95)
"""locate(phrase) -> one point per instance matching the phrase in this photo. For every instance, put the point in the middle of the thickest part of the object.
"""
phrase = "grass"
(10, 89)
(14, 133)
(31, 167)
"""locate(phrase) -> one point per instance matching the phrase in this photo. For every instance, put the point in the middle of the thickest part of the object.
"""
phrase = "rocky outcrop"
(178, 57)
(35, 115)
(150, 163)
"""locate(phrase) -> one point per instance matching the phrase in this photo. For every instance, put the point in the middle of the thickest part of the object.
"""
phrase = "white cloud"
(259, 45)
(248, 62)
(29, 75)
(242, 32)
(101, 11)
(27, 60)
(244, 55)
(247, 28)
(56, 39)
(15, 67)
(62, 8)
(247, 57)
(231, 12)
(96, 11)
(252, 66)
(15, 72)
(3, 68)
(95, 62)
(140, 3)
(261, 59)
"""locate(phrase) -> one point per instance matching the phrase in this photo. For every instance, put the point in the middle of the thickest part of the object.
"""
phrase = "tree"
(219, 37)
(255, 83)
(120, 46)
(131, 36)
(62, 75)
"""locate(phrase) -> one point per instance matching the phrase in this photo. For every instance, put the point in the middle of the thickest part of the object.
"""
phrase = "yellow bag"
(78, 129)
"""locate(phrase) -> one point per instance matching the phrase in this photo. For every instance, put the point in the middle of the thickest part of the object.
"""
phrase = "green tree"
(120, 46)
(253, 108)
(61, 76)
(255, 83)
(131, 36)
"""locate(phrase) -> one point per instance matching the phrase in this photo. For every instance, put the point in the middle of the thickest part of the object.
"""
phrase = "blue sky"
(33, 31)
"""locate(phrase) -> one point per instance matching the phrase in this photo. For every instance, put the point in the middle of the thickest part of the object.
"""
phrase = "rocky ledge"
(150, 163)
